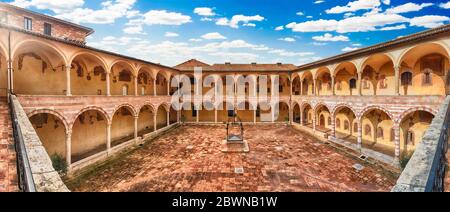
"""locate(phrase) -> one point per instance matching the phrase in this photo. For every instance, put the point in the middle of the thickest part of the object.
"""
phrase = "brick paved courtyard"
(280, 159)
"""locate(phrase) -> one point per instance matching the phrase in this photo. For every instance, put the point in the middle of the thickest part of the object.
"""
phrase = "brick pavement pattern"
(8, 172)
(280, 159)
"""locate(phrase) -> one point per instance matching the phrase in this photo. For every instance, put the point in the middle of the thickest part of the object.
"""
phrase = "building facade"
(85, 103)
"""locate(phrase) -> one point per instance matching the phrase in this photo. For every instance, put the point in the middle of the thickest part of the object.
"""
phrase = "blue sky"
(244, 31)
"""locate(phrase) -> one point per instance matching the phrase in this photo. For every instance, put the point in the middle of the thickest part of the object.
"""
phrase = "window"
(143, 91)
(406, 78)
(3, 17)
(352, 84)
(366, 83)
(194, 111)
(346, 125)
(258, 112)
(367, 130)
(426, 78)
(28, 24)
(380, 133)
(47, 29)
(192, 79)
(338, 123)
(125, 90)
(280, 88)
(230, 113)
(410, 138)
(383, 82)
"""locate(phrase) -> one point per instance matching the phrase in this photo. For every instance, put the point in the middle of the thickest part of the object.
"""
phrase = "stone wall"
(45, 177)
(426, 169)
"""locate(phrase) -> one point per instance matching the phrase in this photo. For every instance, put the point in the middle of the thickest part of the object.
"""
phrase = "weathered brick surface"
(280, 159)
(8, 173)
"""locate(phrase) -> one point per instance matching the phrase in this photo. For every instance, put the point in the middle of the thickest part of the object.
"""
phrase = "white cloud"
(204, 11)
(397, 27)
(327, 37)
(409, 7)
(368, 22)
(171, 34)
(237, 19)
(134, 30)
(195, 40)
(279, 28)
(287, 39)
(445, 5)
(319, 2)
(355, 6)
(349, 49)
(55, 6)
(213, 36)
(110, 11)
(429, 21)
(319, 44)
(300, 13)
(285, 53)
(164, 17)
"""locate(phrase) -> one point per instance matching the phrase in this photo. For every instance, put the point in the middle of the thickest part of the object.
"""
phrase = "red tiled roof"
(191, 64)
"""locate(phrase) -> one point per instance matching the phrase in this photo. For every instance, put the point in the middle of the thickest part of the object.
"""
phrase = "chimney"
(227, 63)
(279, 64)
(254, 63)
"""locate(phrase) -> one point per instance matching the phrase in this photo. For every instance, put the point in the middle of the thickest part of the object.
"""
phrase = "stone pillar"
(254, 116)
(168, 118)
(314, 122)
(333, 82)
(136, 86)
(397, 144)
(333, 125)
(359, 84)
(108, 139)
(154, 122)
(359, 133)
(314, 88)
(108, 84)
(215, 116)
(291, 115)
(301, 87)
(136, 118)
(69, 149)
(168, 88)
(301, 116)
(68, 81)
(397, 80)
(154, 87)
(11, 75)
(198, 115)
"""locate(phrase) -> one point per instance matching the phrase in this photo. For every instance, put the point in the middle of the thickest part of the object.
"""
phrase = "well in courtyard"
(189, 159)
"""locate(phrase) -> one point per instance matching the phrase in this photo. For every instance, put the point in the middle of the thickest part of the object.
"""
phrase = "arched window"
(346, 125)
(352, 84)
(367, 130)
(338, 123)
(392, 135)
(383, 82)
(125, 90)
(329, 120)
(406, 78)
(380, 133)
(427, 77)
(143, 90)
(366, 83)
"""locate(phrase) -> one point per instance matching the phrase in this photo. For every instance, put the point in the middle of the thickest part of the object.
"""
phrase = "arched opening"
(207, 112)
(412, 128)
(308, 115)
(428, 65)
(52, 133)
(296, 89)
(161, 85)
(344, 115)
(245, 112)
(122, 82)
(162, 117)
(281, 112)
(88, 75)
(346, 83)
(323, 83)
(372, 122)
(296, 114)
(245, 85)
(89, 134)
(284, 85)
(145, 120)
(145, 83)
(308, 85)
(122, 128)
(39, 69)
(323, 114)
(3, 74)
(378, 76)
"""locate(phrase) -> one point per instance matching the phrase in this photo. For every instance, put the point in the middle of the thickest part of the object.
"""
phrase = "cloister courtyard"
(189, 158)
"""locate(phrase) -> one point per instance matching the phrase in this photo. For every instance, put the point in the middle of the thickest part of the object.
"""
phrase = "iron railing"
(25, 176)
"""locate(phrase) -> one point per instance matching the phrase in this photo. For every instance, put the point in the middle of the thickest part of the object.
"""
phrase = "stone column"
(254, 116)
(291, 115)
(108, 139)
(397, 144)
(108, 84)
(301, 116)
(314, 122)
(68, 81)
(215, 116)
(397, 80)
(136, 86)
(301, 87)
(11, 75)
(136, 118)
(69, 149)
(154, 87)
(333, 125)
(314, 88)
(333, 82)
(154, 122)
(359, 84)
(168, 118)
(359, 133)
(198, 115)
(168, 88)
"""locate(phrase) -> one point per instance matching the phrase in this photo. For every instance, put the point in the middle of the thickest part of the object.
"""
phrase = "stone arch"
(148, 104)
(320, 104)
(367, 60)
(122, 61)
(165, 105)
(19, 45)
(341, 106)
(128, 106)
(415, 109)
(54, 113)
(3, 50)
(92, 54)
(374, 107)
(93, 108)
(445, 51)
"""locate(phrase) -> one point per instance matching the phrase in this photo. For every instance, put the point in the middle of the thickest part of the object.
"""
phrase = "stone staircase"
(8, 172)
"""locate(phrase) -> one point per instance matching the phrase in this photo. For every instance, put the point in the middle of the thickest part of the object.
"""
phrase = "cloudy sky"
(244, 31)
